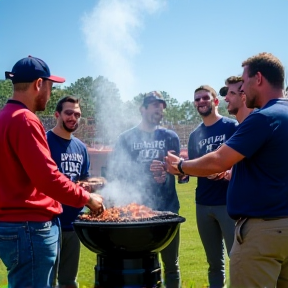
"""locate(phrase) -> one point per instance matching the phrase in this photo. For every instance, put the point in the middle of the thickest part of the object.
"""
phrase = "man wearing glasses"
(213, 221)
(71, 157)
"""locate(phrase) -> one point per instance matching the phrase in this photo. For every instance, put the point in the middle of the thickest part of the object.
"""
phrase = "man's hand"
(228, 174)
(158, 170)
(184, 154)
(93, 184)
(216, 176)
(95, 203)
(85, 185)
(171, 163)
(97, 183)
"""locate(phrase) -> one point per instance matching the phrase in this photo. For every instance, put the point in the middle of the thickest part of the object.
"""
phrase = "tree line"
(101, 102)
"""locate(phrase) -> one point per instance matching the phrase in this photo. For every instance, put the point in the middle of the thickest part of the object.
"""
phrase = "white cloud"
(111, 32)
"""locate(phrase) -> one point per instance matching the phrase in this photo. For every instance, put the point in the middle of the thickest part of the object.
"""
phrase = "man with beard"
(31, 187)
(213, 221)
(71, 157)
(258, 189)
(137, 169)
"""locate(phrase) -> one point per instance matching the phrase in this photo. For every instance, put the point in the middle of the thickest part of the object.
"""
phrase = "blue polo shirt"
(259, 184)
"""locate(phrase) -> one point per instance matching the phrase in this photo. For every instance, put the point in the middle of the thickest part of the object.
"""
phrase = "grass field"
(192, 257)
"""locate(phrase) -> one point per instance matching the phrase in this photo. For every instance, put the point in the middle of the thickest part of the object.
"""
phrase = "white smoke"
(111, 31)
(117, 195)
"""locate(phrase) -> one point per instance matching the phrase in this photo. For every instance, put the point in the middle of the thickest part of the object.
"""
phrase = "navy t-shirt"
(205, 139)
(72, 159)
(129, 165)
(259, 184)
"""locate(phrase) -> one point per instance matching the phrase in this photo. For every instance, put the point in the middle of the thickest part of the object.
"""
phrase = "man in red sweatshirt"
(31, 186)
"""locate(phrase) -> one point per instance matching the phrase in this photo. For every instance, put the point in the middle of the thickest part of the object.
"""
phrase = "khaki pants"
(259, 256)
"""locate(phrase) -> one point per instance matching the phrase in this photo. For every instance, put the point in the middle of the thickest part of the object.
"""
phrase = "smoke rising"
(111, 31)
(115, 194)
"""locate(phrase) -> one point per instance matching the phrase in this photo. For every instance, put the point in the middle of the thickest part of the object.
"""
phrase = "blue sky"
(144, 45)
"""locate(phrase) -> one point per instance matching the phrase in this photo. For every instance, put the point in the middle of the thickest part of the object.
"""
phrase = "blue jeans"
(214, 226)
(29, 251)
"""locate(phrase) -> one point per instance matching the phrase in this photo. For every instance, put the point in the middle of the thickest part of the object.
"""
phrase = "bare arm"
(215, 162)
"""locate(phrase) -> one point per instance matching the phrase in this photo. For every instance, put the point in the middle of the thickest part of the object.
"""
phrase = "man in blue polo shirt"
(258, 191)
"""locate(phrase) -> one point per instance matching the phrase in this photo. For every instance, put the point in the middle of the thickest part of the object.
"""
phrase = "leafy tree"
(6, 91)
(100, 99)
(172, 112)
(132, 112)
(83, 89)
(101, 102)
(222, 108)
(109, 107)
(56, 94)
(189, 114)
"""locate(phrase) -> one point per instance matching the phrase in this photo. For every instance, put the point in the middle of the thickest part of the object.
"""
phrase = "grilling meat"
(130, 213)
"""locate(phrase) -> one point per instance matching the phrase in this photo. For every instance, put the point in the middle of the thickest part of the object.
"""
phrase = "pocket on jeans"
(9, 249)
(41, 228)
(45, 234)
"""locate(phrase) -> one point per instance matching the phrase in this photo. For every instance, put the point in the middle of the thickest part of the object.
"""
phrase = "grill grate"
(130, 213)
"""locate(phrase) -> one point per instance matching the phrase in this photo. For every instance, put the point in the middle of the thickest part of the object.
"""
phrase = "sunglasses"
(204, 98)
(77, 115)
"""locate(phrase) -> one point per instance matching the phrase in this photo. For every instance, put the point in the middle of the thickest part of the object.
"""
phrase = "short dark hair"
(69, 98)
(269, 66)
(231, 80)
(208, 89)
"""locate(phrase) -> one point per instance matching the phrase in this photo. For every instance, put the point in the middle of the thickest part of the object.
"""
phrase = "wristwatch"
(179, 166)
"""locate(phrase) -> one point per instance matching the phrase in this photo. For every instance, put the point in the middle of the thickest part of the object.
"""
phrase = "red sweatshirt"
(30, 183)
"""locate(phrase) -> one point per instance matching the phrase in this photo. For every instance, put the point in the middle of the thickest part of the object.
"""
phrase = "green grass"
(192, 257)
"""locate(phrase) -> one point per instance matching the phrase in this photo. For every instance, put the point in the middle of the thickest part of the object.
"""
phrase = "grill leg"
(118, 272)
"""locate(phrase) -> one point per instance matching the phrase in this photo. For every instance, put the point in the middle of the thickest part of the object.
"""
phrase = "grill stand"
(141, 271)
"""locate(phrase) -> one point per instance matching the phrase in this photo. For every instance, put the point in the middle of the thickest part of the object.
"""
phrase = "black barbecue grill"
(127, 251)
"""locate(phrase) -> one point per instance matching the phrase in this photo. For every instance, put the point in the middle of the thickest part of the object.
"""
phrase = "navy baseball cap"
(29, 69)
(152, 97)
(223, 91)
